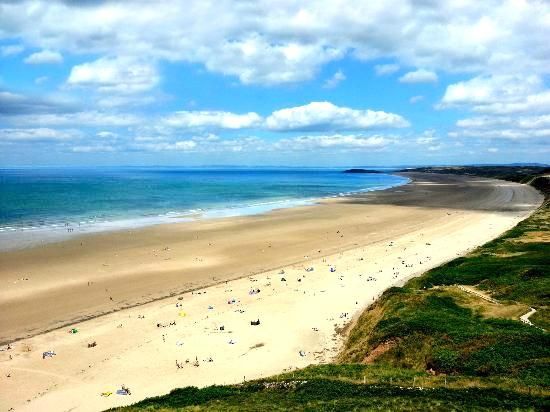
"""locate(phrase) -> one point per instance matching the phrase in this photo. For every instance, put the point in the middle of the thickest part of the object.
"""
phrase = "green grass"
(514, 267)
(520, 174)
(331, 395)
(424, 326)
(429, 330)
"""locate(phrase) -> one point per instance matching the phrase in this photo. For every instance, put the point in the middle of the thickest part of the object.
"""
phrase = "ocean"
(44, 204)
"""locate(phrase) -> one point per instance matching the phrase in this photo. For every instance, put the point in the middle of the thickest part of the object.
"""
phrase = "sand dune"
(337, 257)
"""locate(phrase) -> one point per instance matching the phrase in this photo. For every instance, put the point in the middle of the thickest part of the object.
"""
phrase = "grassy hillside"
(450, 339)
(520, 174)
(432, 324)
(320, 394)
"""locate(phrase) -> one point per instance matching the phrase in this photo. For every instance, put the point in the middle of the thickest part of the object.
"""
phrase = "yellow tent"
(183, 314)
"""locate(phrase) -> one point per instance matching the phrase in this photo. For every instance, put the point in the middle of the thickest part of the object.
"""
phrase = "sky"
(276, 82)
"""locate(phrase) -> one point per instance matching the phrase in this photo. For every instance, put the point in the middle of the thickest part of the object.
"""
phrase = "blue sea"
(52, 203)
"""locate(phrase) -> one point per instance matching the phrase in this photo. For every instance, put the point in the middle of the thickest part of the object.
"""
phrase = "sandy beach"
(172, 305)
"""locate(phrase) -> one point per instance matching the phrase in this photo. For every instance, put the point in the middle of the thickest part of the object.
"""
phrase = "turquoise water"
(32, 199)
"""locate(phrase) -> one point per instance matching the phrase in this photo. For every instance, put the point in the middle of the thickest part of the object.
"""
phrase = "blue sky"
(330, 83)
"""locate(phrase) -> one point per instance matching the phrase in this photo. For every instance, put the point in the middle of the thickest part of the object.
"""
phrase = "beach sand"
(337, 257)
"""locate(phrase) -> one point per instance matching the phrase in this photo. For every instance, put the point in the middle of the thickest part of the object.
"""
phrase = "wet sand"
(371, 241)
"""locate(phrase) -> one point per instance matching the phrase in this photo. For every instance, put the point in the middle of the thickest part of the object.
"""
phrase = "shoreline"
(69, 322)
(393, 235)
(17, 238)
(53, 261)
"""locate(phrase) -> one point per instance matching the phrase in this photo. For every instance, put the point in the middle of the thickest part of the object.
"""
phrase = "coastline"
(46, 273)
(364, 238)
(16, 237)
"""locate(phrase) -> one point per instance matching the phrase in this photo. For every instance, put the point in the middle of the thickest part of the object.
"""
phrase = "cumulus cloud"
(180, 146)
(13, 104)
(115, 75)
(503, 133)
(425, 140)
(315, 117)
(11, 50)
(93, 149)
(335, 142)
(202, 144)
(335, 80)
(428, 138)
(256, 60)
(416, 99)
(267, 43)
(419, 76)
(104, 134)
(211, 119)
(44, 57)
(37, 134)
(495, 93)
(89, 118)
(249, 144)
(41, 80)
(513, 107)
(324, 116)
(386, 69)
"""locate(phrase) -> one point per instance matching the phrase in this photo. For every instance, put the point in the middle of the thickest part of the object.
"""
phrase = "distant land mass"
(520, 174)
(361, 171)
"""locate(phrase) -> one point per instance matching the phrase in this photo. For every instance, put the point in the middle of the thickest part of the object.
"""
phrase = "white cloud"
(428, 137)
(419, 76)
(519, 122)
(41, 80)
(11, 50)
(534, 103)
(416, 99)
(503, 133)
(110, 101)
(335, 80)
(323, 116)
(426, 140)
(267, 43)
(336, 142)
(104, 134)
(513, 107)
(385, 69)
(254, 59)
(15, 104)
(249, 144)
(93, 149)
(179, 146)
(315, 116)
(91, 118)
(492, 150)
(212, 119)
(37, 134)
(484, 92)
(44, 57)
(115, 75)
